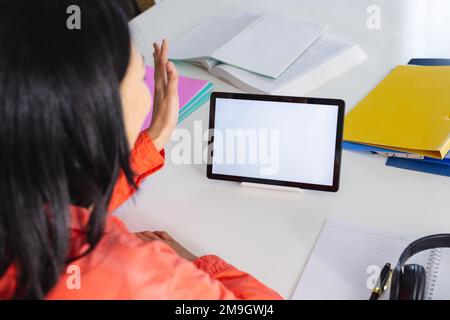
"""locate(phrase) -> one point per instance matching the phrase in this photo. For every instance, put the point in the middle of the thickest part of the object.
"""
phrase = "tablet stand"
(269, 186)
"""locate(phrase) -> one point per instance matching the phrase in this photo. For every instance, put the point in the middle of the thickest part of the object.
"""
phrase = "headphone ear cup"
(413, 280)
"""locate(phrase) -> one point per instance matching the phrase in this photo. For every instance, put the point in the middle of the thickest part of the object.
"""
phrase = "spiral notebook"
(346, 260)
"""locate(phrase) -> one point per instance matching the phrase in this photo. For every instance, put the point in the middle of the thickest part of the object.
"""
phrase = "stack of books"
(193, 93)
(267, 53)
(406, 118)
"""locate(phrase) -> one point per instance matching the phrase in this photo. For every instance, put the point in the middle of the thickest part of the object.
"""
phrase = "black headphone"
(409, 280)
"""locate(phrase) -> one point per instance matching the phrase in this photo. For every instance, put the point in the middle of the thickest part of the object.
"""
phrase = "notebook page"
(210, 35)
(339, 264)
(319, 53)
(271, 45)
(439, 287)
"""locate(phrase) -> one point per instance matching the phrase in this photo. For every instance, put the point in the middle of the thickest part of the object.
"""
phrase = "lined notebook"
(345, 256)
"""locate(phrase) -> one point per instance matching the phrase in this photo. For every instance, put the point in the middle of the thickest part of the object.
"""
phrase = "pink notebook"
(188, 88)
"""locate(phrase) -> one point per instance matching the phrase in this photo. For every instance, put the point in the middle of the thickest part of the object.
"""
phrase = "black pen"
(382, 282)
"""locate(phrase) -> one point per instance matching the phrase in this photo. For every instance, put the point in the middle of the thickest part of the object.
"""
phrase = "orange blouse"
(123, 266)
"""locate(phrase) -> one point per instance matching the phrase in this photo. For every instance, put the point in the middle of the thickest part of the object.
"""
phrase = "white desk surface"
(270, 234)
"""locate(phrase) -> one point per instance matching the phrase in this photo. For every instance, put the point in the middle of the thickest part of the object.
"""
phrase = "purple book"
(188, 88)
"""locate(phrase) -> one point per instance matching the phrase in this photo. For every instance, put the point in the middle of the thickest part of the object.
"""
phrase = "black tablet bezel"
(306, 100)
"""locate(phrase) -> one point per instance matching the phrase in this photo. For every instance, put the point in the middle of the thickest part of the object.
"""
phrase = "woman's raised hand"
(166, 102)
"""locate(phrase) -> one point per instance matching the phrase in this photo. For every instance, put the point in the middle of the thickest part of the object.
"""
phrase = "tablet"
(276, 140)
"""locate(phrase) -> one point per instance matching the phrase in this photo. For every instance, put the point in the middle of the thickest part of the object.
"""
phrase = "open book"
(345, 257)
(264, 44)
(315, 58)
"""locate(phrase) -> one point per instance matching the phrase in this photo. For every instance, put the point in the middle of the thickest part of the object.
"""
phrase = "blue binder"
(365, 148)
(429, 62)
(442, 169)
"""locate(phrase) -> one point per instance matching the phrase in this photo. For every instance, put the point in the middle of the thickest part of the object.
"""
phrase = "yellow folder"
(408, 111)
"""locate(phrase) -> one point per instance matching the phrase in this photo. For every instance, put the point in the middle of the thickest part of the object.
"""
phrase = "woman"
(71, 104)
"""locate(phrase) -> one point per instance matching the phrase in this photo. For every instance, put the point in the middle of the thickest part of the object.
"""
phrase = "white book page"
(210, 35)
(339, 266)
(206, 63)
(320, 52)
(271, 45)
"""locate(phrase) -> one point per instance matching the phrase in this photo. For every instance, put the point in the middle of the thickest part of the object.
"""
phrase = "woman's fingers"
(161, 53)
(166, 99)
(159, 71)
(163, 59)
(156, 54)
(147, 235)
(156, 51)
(155, 235)
(163, 235)
(172, 78)
(160, 56)
(171, 94)
(172, 86)
(164, 51)
(142, 237)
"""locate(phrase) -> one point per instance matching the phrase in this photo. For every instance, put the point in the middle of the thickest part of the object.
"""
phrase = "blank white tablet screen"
(283, 141)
